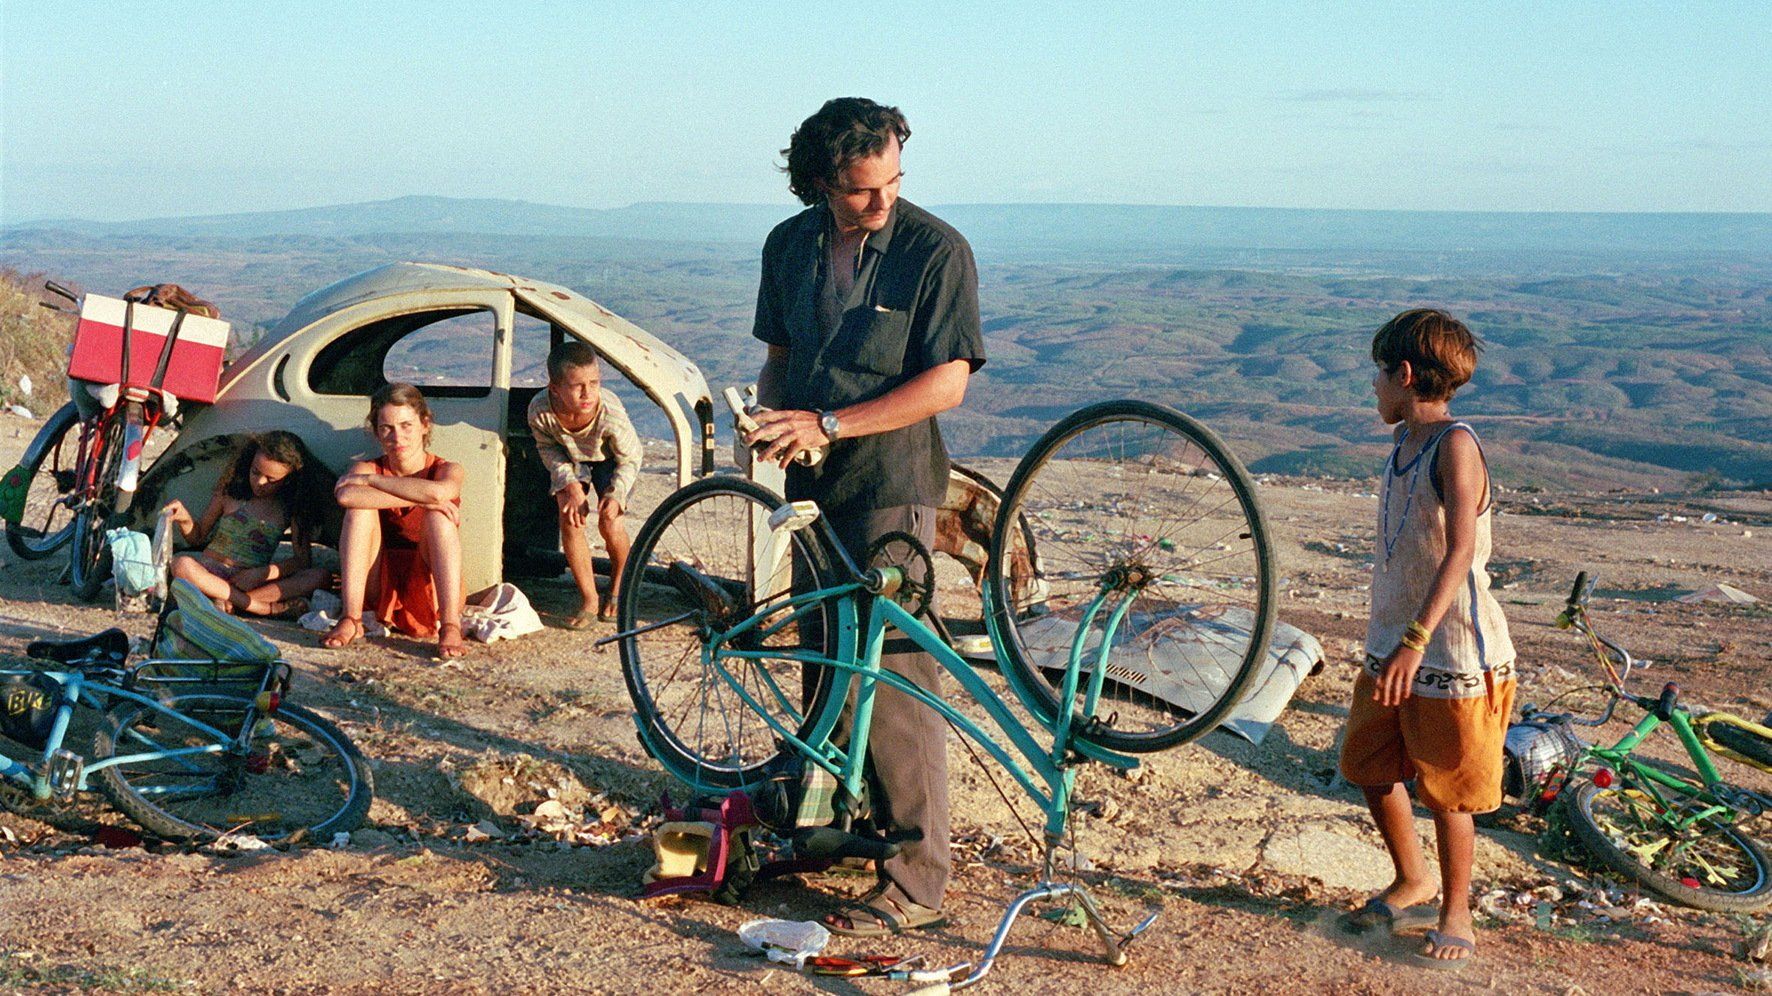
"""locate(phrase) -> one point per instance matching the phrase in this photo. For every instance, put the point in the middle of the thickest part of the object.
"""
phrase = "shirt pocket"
(873, 339)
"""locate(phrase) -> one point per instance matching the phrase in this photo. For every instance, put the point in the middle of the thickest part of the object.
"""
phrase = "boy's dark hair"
(843, 131)
(300, 494)
(570, 353)
(1438, 347)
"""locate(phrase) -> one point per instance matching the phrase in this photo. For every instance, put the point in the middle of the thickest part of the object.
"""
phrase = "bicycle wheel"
(1146, 504)
(48, 519)
(1709, 866)
(300, 777)
(89, 559)
(704, 561)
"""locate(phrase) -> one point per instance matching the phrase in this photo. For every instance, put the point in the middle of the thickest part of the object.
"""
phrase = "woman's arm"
(1465, 482)
(367, 489)
(196, 531)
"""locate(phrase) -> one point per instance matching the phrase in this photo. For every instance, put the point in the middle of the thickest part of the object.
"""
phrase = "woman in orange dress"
(400, 548)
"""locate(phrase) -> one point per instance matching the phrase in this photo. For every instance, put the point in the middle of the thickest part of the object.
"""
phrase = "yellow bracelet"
(1414, 641)
(1419, 631)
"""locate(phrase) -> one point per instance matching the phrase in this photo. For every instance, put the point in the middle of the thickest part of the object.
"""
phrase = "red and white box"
(191, 372)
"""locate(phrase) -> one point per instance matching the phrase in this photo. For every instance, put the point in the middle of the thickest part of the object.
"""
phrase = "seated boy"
(585, 440)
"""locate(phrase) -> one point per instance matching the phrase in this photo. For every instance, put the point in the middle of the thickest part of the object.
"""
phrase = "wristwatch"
(828, 422)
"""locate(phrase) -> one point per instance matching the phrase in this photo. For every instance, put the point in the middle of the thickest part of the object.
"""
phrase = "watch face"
(828, 422)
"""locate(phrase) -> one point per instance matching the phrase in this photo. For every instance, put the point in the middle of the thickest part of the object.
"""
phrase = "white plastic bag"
(502, 613)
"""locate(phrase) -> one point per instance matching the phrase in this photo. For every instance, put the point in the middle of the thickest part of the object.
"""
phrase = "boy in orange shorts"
(1432, 702)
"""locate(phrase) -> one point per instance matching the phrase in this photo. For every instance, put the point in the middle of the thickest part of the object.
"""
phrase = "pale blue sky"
(122, 110)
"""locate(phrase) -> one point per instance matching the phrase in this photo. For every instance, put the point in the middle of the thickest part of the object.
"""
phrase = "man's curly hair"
(843, 131)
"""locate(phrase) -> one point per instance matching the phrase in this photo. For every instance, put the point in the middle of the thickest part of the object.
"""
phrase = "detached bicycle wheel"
(47, 522)
(1145, 506)
(274, 777)
(89, 559)
(705, 561)
(1709, 866)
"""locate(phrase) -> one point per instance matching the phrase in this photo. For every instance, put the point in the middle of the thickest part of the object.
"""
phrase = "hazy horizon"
(1569, 107)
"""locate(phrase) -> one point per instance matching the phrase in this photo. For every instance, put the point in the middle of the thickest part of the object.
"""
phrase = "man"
(869, 306)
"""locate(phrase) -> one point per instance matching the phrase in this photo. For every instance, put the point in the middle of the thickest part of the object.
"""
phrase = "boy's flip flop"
(1378, 913)
(882, 916)
(1437, 941)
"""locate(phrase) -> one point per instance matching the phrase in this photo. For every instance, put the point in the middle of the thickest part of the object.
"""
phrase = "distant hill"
(1622, 350)
(1260, 237)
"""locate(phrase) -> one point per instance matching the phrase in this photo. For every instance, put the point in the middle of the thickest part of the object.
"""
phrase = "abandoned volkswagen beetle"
(476, 343)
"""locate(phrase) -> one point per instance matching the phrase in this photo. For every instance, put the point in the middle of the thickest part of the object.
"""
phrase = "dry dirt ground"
(458, 884)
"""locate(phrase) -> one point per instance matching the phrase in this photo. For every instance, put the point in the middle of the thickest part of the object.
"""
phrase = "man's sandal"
(336, 638)
(1439, 943)
(1378, 913)
(448, 649)
(880, 915)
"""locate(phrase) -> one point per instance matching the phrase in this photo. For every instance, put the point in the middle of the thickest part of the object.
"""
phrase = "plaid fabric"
(198, 629)
(818, 791)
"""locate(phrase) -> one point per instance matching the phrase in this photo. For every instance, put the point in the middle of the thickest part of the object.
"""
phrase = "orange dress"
(406, 599)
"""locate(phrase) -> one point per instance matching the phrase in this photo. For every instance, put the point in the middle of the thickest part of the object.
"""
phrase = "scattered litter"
(1719, 592)
(340, 840)
(787, 941)
(20, 410)
(25, 385)
(240, 843)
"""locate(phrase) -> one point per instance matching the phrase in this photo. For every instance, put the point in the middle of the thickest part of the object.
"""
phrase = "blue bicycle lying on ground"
(190, 748)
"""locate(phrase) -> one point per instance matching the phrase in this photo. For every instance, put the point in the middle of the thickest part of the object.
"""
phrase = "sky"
(119, 110)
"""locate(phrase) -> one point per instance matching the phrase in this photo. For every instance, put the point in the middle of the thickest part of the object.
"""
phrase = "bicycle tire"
(222, 793)
(691, 721)
(89, 559)
(1186, 521)
(1748, 745)
(1600, 817)
(48, 520)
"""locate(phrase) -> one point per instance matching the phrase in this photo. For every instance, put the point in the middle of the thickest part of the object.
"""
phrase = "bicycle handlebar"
(60, 291)
(1578, 590)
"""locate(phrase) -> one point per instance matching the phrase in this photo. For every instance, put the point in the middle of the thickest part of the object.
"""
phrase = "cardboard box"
(193, 369)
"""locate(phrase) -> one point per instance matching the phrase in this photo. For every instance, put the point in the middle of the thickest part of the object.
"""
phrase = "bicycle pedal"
(65, 771)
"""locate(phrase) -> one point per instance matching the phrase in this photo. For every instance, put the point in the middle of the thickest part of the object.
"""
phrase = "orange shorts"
(1451, 747)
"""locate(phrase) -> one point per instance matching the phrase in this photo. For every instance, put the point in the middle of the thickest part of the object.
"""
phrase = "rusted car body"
(474, 341)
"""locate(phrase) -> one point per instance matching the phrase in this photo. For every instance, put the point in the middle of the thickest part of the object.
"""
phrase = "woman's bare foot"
(449, 642)
(343, 634)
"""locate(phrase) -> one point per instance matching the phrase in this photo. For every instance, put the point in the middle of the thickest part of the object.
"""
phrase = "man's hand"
(782, 435)
(1397, 681)
(573, 506)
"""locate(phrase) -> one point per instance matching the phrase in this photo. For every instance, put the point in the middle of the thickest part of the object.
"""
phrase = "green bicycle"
(744, 625)
(1680, 836)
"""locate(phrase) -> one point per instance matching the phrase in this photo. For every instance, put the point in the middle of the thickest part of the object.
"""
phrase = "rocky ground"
(513, 805)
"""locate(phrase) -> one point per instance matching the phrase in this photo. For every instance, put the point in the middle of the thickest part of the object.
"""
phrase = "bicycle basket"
(201, 650)
(1536, 755)
(27, 708)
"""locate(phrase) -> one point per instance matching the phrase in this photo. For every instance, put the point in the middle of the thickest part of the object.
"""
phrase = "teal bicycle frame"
(1046, 773)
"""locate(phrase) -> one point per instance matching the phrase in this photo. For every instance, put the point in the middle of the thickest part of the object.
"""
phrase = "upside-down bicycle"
(743, 625)
(1681, 836)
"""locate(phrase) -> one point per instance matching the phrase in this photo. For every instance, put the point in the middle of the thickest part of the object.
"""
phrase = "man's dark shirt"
(914, 307)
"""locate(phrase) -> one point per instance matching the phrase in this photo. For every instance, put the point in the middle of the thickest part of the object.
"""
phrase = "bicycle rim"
(90, 556)
(297, 776)
(1143, 501)
(1709, 865)
(47, 522)
(703, 562)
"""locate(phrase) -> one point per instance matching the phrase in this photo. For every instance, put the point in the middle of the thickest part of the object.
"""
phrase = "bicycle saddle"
(110, 647)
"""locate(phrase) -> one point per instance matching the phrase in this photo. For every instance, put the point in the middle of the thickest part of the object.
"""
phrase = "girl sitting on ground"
(400, 548)
(267, 490)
